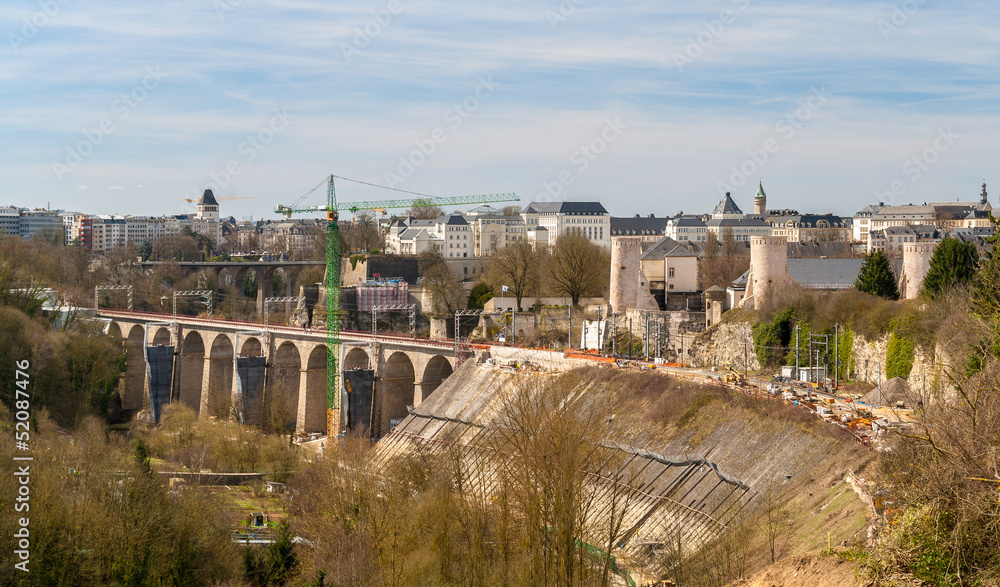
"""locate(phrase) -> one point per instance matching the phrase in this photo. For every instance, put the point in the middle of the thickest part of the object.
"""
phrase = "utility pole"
(630, 338)
(614, 335)
(569, 342)
(645, 347)
(836, 355)
(600, 332)
(746, 365)
(826, 358)
(797, 374)
(879, 375)
(811, 372)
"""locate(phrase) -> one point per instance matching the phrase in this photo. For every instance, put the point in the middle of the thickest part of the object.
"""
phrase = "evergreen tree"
(876, 277)
(954, 262)
(480, 294)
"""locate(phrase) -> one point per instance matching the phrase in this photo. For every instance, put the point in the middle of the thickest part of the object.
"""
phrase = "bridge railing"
(319, 333)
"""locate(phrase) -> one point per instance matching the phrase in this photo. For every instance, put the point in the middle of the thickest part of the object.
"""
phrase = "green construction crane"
(332, 280)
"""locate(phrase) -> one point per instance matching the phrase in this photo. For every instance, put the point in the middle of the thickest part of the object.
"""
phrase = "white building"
(590, 219)
(728, 220)
(687, 229)
(875, 218)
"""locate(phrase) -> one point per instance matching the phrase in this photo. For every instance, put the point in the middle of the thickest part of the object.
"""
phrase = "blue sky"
(649, 107)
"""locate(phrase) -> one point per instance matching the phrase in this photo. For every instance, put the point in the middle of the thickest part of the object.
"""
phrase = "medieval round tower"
(768, 268)
(629, 286)
(916, 264)
(625, 265)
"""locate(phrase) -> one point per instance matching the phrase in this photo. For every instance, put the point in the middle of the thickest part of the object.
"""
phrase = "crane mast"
(332, 277)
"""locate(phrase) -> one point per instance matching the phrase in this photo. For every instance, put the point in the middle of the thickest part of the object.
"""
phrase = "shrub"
(770, 340)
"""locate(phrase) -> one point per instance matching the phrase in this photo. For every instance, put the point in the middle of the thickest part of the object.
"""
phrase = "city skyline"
(117, 109)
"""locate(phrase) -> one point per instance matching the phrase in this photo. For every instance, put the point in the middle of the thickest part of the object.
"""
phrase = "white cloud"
(357, 118)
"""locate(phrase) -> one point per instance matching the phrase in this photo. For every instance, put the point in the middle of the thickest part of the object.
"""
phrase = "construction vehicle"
(735, 377)
(332, 278)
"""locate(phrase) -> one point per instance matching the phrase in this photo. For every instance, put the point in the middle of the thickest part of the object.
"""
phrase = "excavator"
(735, 377)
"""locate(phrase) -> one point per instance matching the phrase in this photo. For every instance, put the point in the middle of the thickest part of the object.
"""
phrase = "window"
(670, 272)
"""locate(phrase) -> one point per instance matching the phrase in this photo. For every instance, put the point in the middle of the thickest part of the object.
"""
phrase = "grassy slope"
(756, 440)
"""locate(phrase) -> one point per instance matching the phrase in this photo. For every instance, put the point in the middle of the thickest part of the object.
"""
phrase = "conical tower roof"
(760, 191)
(727, 206)
(208, 199)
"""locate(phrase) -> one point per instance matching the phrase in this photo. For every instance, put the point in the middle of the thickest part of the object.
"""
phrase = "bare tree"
(443, 284)
(517, 267)
(176, 247)
(423, 210)
(578, 267)
(122, 264)
(362, 234)
(723, 260)
(511, 210)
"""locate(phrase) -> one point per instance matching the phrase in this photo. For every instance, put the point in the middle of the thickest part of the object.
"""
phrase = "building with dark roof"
(810, 227)
(589, 219)
(818, 274)
(728, 221)
(684, 228)
(670, 266)
(727, 209)
(649, 227)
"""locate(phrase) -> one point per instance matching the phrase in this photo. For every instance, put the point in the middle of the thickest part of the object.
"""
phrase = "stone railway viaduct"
(407, 370)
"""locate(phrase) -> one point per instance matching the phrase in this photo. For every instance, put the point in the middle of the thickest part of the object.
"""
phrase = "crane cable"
(374, 185)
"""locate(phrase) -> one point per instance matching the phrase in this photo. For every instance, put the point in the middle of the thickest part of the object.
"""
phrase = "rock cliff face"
(931, 367)
(868, 357)
(729, 343)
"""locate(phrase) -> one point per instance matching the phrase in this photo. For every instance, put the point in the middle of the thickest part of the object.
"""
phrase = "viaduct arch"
(295, 379)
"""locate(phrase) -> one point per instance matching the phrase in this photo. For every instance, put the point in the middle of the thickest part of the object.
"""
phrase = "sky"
(115, 107)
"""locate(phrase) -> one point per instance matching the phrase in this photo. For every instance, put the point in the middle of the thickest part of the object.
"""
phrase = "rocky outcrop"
(727, 344)
(868, 357)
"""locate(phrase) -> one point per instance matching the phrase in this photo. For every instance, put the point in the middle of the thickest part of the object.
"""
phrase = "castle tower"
(629, 286)
(983, 197)
(208, 207)
(768, 269)
(715, 305)
(916, 264)
(760, 201)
